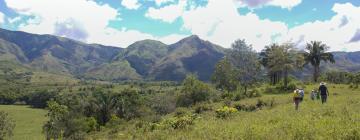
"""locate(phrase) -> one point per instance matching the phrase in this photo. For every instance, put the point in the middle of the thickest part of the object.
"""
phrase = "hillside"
(142, 60)
(189, 55)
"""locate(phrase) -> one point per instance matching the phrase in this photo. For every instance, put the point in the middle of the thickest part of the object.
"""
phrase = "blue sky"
(122, 22)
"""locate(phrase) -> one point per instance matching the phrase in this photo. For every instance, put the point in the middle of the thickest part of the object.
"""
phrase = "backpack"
(302, 93)
(297, 94)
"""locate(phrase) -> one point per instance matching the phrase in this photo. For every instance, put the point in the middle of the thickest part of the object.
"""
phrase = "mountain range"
(142, 60)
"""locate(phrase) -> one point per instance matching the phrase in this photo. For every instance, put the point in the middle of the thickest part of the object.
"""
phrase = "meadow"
(338, 119)
(28, 121)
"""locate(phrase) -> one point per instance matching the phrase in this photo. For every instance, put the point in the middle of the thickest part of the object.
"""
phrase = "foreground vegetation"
(28, 121)
(247, 99)
(338, 119)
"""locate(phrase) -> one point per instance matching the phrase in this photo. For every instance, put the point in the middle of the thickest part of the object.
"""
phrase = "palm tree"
(284, 59)
(266, 60)
(315, 53)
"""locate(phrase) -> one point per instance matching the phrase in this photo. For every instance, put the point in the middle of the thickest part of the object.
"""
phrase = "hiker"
(297, 98)
(313, 95)
(324, 93)
(302, 94)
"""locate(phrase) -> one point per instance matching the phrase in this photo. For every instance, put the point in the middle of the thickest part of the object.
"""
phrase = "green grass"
(338, 119)
(28, 121)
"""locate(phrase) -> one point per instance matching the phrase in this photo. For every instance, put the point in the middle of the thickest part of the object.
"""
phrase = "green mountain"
(189, 55)
(142, 55)
(53, 54)
(143, 60)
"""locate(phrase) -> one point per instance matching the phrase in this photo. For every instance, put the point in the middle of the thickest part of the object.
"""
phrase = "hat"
(322, 83)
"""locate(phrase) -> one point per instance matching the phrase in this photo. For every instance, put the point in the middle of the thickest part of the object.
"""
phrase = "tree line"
(242, 67)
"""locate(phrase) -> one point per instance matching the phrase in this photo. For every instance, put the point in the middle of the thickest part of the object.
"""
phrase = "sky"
(122, 22)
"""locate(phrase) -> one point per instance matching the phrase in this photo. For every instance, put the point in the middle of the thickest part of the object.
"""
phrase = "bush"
(245, 107)
(193, 91)
(163, 103)
(253, 93)
(181, 112)
(7, 97)
(180, 122)
(203, 108)
(225, 112)
(39, 99)
(7, 125)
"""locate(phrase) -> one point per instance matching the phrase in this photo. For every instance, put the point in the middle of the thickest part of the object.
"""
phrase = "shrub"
(181, 112)
(225, 112)
(163, 103)
(180, 122)
(245, 107)
(193, 91)
(253, 93)
(203, 108)
(39, 99)
(7, 125)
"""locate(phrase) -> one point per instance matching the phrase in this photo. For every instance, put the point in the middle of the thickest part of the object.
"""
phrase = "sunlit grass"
(337, 119)
(28, 121)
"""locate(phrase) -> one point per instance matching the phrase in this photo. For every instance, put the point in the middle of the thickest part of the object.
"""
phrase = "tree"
(193, 91)
(284, 58)
(39, 99)
(315, 52)
(274, 75)
(54, 128)
(7, 125)
(245, 62)
(223, 76)
(356, 79)
(103, 106)
(128, 103)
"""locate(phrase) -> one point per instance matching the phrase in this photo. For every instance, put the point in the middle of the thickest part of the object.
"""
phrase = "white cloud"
(168, 13)
(14, 20)
(130, 4)
(171, 39)
(221, 23)
(286, 4)
(160, 2)
(90, 24)
(2, 18)
(334, 32)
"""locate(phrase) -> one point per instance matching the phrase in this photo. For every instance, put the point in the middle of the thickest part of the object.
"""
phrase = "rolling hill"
(142, 60)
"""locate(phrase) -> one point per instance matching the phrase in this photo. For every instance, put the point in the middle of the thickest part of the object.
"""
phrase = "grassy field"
(28, 121)
(338, 119)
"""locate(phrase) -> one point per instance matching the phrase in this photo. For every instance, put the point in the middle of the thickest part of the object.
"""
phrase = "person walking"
(297, 98)
(313, 95)
(302, 94)
(324, 92)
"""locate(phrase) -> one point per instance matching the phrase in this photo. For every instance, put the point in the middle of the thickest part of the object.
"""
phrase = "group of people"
(322, 93)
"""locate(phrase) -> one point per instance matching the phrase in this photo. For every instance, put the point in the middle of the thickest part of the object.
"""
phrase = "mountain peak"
(193, 38)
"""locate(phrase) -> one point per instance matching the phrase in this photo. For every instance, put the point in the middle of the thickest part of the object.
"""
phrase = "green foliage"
(225, 112)
(338, 77)
(193, 91)
(179, 122)
(201, 108)
(53, 129)
(7, 126)
(245, 62)
(316, 52)
(163, 103)
(39, 99)
(356, 79)
(224, 76)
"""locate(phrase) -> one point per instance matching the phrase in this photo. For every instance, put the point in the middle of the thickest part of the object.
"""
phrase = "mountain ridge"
(142, 60)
